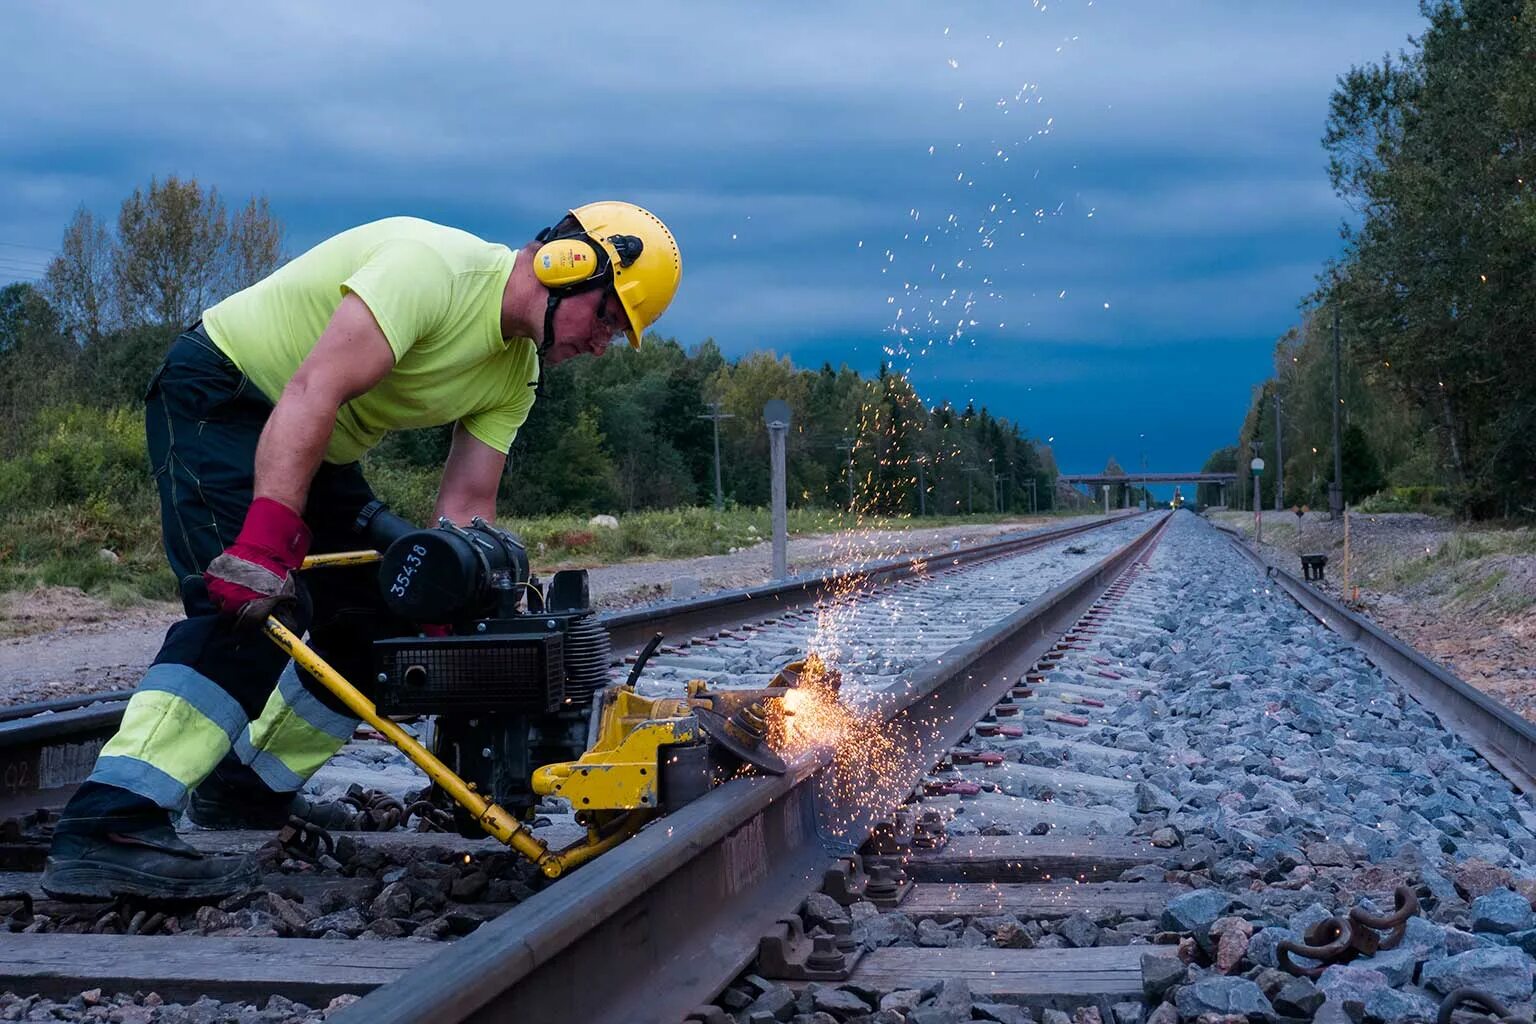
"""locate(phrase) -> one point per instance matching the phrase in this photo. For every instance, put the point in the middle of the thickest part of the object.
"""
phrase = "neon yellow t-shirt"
(436, 293)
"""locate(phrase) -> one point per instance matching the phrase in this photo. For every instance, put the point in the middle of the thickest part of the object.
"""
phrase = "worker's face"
(586, 324)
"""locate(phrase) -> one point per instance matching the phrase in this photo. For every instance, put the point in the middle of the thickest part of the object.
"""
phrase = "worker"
(256, 421)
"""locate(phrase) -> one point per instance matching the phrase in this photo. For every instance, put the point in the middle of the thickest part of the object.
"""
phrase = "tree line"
(1435, 290)
(626, 431)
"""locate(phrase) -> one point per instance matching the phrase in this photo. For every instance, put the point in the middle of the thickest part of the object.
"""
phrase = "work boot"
(221, 804)
(155, 864)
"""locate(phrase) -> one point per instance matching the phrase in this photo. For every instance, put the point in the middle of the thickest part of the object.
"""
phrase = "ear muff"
(562, 262)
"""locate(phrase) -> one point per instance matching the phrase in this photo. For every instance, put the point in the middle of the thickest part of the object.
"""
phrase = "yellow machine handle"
(341, 558)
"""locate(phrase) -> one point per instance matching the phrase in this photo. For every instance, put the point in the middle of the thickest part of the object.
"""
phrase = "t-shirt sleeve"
(497, 424)
(408, 289)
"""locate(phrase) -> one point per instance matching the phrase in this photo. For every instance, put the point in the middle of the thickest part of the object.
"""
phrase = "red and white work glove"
(254, 575)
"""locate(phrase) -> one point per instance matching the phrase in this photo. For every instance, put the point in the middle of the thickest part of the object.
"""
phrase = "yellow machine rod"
(496, 820)
(341, 558)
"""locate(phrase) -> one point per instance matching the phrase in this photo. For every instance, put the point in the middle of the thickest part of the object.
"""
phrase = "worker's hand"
(254, 575)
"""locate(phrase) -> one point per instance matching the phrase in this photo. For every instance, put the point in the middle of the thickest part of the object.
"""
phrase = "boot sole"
(103, 882)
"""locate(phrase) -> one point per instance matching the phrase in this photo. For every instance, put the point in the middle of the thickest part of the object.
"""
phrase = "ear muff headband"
(573, 263)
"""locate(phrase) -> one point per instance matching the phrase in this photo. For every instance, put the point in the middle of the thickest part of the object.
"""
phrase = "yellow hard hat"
(644, 282)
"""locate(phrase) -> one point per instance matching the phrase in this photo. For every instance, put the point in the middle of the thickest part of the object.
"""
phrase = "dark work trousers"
(203, 419)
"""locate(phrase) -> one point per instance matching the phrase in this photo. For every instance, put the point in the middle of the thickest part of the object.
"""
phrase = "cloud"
(1161, 157)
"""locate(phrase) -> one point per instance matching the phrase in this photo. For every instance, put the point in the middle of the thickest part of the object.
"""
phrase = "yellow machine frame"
(614, 788)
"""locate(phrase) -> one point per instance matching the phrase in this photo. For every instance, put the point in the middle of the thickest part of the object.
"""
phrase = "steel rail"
(660, 925)
(1504, 738)
(10, 712)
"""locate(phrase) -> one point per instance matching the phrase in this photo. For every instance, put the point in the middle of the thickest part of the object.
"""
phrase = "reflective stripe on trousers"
(177, 726)
(294, 735)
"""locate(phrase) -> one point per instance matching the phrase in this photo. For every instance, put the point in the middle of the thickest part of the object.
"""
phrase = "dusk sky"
(1094, 216)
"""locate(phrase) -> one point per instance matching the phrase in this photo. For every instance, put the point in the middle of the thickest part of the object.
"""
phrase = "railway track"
(48, 747)
(47, 753)
(1114, 802)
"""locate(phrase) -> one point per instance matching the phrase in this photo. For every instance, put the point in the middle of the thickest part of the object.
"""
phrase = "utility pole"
(1032, 507)
(848, 446)
(776, 419)
(1257, 466)
(1336, 489)
(1106, 498)
(922, 488)
(1279, 457)
(716, 415)
(1146, 498)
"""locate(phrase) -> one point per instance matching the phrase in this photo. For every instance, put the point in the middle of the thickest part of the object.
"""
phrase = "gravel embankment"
(1287, 779)
(1463, 594)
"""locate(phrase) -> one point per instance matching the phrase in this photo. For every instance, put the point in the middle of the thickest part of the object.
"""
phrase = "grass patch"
(62, 547)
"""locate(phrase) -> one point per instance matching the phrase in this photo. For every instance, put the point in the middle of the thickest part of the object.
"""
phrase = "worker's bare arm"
(470, 478)
(351, 356)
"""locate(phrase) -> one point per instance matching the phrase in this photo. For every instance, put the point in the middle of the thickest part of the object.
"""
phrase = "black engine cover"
(514, 673)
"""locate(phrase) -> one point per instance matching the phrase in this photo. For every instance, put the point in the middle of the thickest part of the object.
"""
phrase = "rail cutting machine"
(516, 677)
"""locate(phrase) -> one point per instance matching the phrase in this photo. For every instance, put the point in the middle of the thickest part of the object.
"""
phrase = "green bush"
(1429, 500)
(84, 456)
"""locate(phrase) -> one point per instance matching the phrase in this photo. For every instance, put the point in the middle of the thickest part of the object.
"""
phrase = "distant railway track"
(1037, 715)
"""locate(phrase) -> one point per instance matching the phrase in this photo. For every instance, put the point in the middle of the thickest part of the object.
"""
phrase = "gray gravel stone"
(931, 935)
(1001, 1013)
(1503, 972)
(778, 1001)
(934, 1015)
(1262, 947)
(1391, 1006)
(1501, 912)
(1298, 997)
(1195, 911)
(1346, 983)
(1127, 1013)
(1427, 940)
(902, 999)
(1159, 974)
(951, 995)
(821, 909)
(840, 1003)
(889, 930)
(1396, 965)
(1223, 995)
(1079, 931)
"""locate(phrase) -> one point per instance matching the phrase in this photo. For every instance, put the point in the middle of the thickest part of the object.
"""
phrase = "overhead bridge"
(1148, 478)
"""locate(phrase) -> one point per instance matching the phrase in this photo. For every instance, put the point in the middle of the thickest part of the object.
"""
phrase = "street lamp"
(1257, 465)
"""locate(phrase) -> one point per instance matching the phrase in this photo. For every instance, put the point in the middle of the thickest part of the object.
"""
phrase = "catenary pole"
(716, 415)
(1336, 489)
